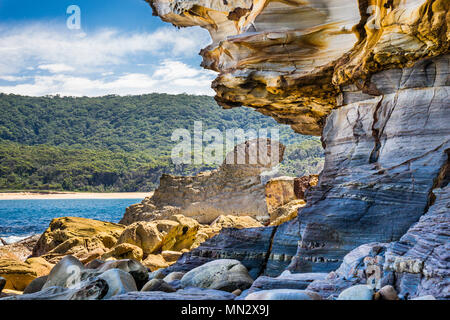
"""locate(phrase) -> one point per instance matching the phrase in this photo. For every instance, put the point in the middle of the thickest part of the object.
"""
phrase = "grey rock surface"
(223, 274)
(184, 294)
(157, 285)
(283, 294)
(358, 292)
(119, 282)
(382, 159)
(421, 258)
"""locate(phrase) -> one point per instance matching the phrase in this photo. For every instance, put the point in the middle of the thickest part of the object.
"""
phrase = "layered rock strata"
(288, 59)
(384, 157)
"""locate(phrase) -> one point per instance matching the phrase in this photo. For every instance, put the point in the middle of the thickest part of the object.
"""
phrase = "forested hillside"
(115, 143)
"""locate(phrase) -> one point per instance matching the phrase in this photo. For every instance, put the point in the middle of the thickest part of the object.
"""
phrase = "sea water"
(23, 218)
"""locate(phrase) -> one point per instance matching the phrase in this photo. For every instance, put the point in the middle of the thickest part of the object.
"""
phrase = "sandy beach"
(72, 195)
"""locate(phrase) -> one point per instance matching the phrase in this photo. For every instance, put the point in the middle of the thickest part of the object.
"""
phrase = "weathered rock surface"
(363, 265)
(183, 294)
(249, 246)
(263, 251)
(358, 292)
(124, 251)
(383, 158)
(421, 258)
(161, 235)
(85, 239)
(119, 282)
(287, 280)
(36, 285)
(157, 285)
(283, 294)
(133, 267)
(18, 274)
(282, 190)
(94, 290)
(20, 250)
(223, 274)
(233, 189)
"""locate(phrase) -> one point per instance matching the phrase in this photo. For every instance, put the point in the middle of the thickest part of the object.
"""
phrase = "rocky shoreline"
(374, 226)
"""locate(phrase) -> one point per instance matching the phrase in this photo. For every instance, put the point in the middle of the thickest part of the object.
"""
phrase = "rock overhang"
(290, 59)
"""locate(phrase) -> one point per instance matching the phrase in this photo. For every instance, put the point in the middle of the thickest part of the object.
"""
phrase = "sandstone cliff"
(371, 77)
(232, 189)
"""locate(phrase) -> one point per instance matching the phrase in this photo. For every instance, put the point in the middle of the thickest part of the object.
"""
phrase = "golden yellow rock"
(18, 274)
(77, 237)
(240, 222)
(287, 212)
(155, 262)
(40, 266)
(201, 237)
(183, 235)
(171, 256)
(279, 191)
(145, 235)
(161, 235)
(124, 251)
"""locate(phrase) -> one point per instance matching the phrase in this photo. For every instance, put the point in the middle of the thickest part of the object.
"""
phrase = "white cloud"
(42, 59)
(22, 47)
(163, 80)
(56, 68)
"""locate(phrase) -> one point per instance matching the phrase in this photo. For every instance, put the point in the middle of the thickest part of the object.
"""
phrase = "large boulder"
(18, 274)
(358, 292)
(157, 285)
(80, 237)
(238, 222)
(283, 294)
(41, 266)
(175, 234)
(183, 294)
(92, 290)
(119, 282)
(224, 274)
(155, 262)
(134, 268)
(124, 251)
(20, 250)
(67, 273)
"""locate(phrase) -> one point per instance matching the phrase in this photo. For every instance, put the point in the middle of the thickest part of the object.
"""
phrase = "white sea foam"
(14, 239)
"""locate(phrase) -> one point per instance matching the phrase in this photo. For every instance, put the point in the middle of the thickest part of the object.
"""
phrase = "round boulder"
(2, 283)
(157, 285)
(283, 294)
(224, 274)
(358, 292)
(388, 293)
(174, 276)
(119, 282)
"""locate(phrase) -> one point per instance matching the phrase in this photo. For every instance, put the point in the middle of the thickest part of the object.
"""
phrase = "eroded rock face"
(420, 259)
(85, 239)
(233, 189)
(383, 158)
(288, 59)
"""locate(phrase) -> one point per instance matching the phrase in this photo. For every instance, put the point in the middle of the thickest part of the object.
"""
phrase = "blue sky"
(120, 49)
